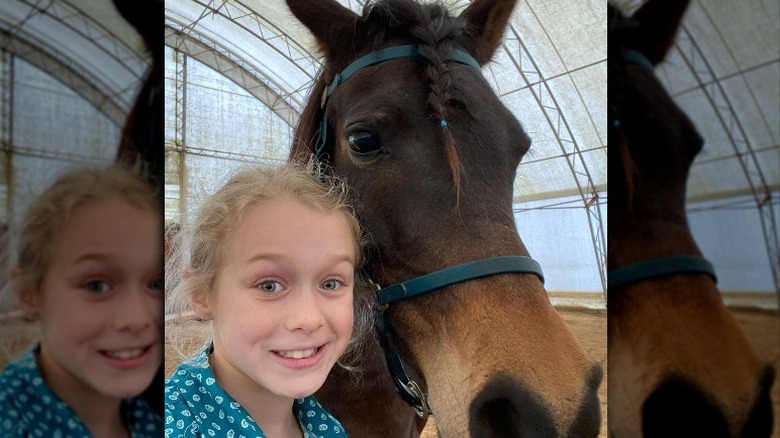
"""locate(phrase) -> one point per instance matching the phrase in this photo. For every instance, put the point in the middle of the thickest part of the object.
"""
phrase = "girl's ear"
(28, 299)
(201, 306)
(199, 298)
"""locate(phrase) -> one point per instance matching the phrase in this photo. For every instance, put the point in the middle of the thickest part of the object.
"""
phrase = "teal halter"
(660, 268)
(636, 57)
(407, 388)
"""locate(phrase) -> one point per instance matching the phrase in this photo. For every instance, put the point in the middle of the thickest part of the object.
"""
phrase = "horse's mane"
(432, 29)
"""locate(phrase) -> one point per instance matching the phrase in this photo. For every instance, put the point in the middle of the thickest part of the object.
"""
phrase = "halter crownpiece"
(373, 58)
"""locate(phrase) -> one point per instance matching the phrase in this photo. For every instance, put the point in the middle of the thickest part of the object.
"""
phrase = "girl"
(89, 269)
(272, 264)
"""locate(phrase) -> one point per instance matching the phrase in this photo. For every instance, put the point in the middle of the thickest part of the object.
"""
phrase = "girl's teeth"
(297, 354)
(125, 354)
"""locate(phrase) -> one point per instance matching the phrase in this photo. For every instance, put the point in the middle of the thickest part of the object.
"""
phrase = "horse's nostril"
(678, 409)
(505, 408)
(759, 424)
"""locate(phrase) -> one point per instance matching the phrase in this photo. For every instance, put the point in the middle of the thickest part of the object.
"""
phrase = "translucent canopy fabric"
(724, 72)
(69, 74)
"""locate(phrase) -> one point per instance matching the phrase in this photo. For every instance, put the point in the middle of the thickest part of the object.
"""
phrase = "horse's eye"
(364, 143)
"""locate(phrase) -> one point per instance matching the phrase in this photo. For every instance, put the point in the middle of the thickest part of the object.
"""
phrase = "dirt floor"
(589, 326)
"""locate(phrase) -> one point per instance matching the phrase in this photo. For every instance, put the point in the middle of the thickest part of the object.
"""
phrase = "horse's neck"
(640, 235)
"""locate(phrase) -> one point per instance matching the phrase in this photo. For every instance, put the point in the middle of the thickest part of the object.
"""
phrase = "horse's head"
(655, 142)
(431, 154)
(679, 364)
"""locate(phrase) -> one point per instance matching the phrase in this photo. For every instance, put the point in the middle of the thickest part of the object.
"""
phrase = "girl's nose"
(305, 312)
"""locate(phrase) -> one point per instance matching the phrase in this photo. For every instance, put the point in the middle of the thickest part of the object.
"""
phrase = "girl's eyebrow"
(271, 256)
(94, 256)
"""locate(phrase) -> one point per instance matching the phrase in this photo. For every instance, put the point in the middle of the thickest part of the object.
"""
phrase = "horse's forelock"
(435, 32)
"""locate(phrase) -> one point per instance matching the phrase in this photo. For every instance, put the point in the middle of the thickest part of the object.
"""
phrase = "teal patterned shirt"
(196, 406)
(28, 408)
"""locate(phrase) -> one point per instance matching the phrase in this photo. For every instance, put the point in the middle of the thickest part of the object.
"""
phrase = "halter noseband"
(661, 267)
(407, 388)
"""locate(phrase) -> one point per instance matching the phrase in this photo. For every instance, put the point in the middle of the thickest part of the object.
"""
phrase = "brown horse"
(431, 154)
(679, 365)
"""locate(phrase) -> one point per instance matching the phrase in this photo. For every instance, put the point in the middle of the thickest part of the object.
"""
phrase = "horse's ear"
(658, 22)
(333, 25)
(486, 22)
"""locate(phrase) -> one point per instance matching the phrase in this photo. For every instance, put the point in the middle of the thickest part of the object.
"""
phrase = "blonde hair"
(200, 251)
(47, 214)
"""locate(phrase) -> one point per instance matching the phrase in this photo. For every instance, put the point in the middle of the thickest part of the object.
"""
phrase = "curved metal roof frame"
(85, 44)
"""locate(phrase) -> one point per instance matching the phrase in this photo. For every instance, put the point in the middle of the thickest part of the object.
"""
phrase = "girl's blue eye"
(332, 285)
(97, 286)
(269, 286)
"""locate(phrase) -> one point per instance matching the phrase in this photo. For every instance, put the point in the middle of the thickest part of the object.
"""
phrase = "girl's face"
(100, 303)
(282, 299)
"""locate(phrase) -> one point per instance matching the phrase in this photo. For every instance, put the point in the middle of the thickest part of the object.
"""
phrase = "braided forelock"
(436, 32)
(437, 36)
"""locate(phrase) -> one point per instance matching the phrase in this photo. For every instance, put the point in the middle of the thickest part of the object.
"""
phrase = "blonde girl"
(271, 263)
(88, 268)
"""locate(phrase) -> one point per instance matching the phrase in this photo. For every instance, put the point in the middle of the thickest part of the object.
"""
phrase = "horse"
(679, 364)
(401, 111)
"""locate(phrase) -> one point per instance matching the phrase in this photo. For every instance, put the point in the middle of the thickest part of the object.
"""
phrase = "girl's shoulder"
(196, 405)
(143, 421)
(23, 391)
(316, 421)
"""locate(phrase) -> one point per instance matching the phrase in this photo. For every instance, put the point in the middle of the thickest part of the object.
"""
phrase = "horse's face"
(679, 364)
(495, 357)
(399, 186)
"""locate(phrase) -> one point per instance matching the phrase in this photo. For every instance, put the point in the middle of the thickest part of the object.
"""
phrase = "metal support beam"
(86, 85)
(235, 69)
